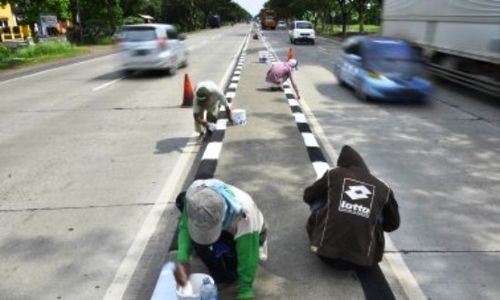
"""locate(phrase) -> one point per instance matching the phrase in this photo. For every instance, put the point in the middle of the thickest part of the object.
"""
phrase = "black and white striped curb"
(208, 163)
(313, 148)
(373, 281)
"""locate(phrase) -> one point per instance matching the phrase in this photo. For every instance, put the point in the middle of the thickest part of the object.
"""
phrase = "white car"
(281, 25)
(302, 31)
(152, 47)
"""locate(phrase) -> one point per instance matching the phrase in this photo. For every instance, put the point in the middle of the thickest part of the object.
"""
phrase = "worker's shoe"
(263, 252)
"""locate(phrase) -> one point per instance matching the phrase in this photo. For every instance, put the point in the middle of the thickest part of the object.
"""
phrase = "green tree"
(31, 9)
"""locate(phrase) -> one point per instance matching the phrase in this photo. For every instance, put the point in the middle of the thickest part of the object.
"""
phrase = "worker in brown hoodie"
(351, 209)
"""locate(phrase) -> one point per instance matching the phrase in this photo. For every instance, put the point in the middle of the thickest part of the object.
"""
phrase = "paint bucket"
(239, 116)
(263, 57)
(196, 281)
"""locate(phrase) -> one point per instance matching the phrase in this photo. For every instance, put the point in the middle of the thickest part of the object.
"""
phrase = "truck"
(459, 40)
(268, 19)
(214, 21)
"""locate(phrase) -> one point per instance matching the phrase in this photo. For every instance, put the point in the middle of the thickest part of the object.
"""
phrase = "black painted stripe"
(231, 89)
(290, 96)
(295, 109)
(286, 86)
(303, 127)
(206, 169)
(315, 154)
(218, 136)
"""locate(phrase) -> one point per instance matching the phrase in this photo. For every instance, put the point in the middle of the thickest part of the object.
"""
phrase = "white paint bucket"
(196, 281)
(239, 116)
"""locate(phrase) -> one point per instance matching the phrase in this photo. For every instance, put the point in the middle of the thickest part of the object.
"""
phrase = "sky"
(252, 6)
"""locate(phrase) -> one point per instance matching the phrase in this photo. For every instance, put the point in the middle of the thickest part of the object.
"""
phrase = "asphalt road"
(91, 162)
(440, 157)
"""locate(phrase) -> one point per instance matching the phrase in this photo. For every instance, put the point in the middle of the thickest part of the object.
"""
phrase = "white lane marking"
(309, 140)
(300, 118)
(293, 102)
(212, 151)
(54, 69)
(235, 78)
(322, 49)
(233, 85)
(395, 260)
(320, 167)
(105, 85)
(128, 265)
(403, 274)
(230, 94)
(237, 72)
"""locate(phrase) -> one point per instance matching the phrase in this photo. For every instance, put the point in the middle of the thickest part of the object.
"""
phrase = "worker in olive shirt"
(208, 98)
(225, 228)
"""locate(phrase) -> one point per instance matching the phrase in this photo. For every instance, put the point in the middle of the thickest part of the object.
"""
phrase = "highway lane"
(441, 158)
(85, 154)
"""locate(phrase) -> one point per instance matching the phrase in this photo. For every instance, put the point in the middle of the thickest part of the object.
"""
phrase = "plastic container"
(208, 290)
(196, 281)
(239, 116)
(165, 288)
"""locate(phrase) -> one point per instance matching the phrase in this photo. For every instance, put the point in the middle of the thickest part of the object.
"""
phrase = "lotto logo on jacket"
(357, 197)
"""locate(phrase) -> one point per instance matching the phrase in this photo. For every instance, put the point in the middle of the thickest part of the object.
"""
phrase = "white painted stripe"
(212, 151)
(405, 277)
(300, 118)
(237, 72)
(288, 91)
(235, 78)
(239, 68)
(230, 94)
(233, 85)
(221, 124)
(309, 140)
(320, 168)
(126, 269)
(222, 108)
(105, 85)
(293, 102)
(323, 49)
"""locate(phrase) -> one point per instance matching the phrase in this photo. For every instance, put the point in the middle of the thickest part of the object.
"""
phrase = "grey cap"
(205, 209)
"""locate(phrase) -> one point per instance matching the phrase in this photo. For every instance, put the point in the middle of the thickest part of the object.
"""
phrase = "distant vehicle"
(214, 21)
(281, 25)
(459, 39)
(382, 69)
(268, 19)
(152, 47)
(302, 31)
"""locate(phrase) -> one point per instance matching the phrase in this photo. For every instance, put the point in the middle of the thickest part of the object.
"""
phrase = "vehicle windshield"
(270, 18)
(392, 58)
(304, 25)
(138, 34)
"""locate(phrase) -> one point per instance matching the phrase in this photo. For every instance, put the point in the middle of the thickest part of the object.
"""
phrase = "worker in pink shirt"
(280, 72)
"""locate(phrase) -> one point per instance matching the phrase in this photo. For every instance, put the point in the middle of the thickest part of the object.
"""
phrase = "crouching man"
(225, 228)
(350, 210)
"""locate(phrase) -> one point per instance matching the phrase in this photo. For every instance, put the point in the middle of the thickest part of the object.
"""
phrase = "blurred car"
(302, 31)
(281, 25)
(382, 68)
(152, 47)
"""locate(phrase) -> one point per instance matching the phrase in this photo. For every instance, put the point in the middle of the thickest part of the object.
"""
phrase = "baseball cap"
(205, 209)
(202, 93)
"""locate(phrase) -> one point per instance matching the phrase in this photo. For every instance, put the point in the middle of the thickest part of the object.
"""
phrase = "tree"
(30, 10)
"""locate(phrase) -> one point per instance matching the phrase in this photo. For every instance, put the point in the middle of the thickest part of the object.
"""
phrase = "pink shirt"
(279, 72)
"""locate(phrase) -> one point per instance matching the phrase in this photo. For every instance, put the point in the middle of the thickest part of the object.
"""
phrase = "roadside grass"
(39, 53)
(336, 31)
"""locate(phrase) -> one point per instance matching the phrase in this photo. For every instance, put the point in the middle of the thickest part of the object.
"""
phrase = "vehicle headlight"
(373, 75)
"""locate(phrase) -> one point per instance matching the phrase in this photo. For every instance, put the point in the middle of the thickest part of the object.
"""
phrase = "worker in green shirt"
(225, 228)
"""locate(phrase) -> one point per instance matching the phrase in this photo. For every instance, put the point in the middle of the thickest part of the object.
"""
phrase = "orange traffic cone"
(187, 100)
(291, 53)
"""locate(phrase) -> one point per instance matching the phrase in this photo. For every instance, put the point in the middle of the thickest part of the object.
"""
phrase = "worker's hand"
(181, 273)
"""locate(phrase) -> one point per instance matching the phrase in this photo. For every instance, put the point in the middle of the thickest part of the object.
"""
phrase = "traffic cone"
(187, 100)
(291, 53)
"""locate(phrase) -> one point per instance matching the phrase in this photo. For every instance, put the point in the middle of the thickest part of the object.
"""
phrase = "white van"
(302, 31)
(152, 47)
